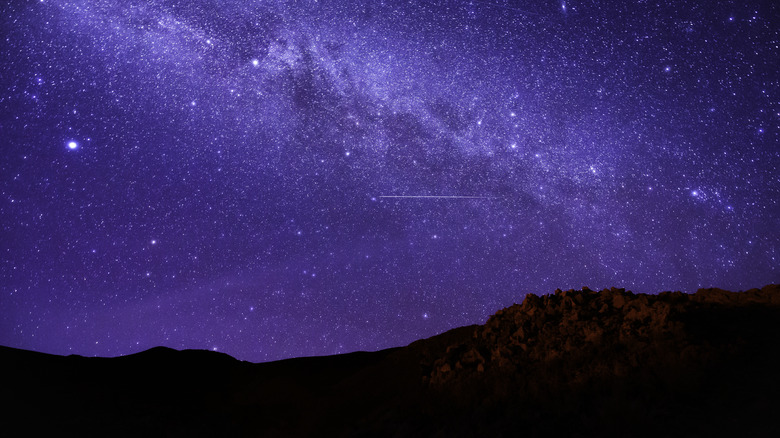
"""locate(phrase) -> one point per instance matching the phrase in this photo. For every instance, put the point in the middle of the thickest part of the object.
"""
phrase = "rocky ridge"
(573, 363)
(614, 330)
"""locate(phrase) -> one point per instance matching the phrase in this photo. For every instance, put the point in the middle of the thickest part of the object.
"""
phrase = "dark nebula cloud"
(213, 174)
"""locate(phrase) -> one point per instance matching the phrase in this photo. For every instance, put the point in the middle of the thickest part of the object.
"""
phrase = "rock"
(644, 329)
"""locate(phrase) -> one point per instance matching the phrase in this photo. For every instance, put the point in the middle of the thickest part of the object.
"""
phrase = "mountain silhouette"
(572, 363)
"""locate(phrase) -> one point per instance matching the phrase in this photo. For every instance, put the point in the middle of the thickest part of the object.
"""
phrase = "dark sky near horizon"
(217, 174)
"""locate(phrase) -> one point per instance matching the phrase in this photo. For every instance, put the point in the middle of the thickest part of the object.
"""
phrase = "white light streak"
(437, 197)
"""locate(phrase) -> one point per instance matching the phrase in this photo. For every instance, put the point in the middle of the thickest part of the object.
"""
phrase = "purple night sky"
(221, 174)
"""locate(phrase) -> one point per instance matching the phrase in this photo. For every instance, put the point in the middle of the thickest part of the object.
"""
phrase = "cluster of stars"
(292, 178)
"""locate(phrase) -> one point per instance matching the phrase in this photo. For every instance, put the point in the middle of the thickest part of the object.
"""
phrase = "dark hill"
(575, 363)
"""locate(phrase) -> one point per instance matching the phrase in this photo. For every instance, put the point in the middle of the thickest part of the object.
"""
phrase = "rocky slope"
(595, 362)
(612, 326)
(573, 363)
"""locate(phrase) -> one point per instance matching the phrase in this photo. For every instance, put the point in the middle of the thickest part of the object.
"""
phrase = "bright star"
(72, 145)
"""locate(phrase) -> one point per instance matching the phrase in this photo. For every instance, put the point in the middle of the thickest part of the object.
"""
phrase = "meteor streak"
(439, 196)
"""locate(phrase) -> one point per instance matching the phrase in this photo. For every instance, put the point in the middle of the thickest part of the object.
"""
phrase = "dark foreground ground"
(576, 363)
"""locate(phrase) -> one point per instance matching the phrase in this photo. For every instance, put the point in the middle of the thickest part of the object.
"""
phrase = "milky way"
(286, 178)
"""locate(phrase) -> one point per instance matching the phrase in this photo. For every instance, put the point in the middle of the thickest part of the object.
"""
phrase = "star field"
(287, 178)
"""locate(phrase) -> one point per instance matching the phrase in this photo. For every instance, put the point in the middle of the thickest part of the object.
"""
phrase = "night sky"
(287, 178)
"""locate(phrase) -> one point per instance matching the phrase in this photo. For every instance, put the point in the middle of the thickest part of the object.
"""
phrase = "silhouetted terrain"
(576, 363)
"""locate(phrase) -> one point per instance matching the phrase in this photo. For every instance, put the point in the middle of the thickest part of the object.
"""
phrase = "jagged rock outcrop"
(578, 339)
